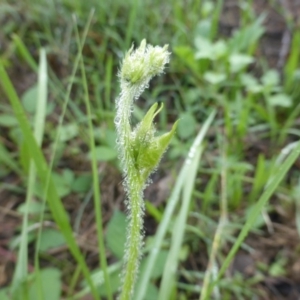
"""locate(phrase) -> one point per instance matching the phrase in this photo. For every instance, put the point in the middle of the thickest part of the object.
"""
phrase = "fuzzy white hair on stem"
(139, 149)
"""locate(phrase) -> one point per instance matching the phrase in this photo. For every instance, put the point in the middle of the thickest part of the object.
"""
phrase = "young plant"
(140, 150)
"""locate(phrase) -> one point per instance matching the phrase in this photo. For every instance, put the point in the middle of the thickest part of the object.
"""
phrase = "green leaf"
(186, 126)
(214, 78)
(208, 50)
(32, 208)
(146, 125)
(63, 184)
(150, 154)
(51, 238)
(239, 61)
(251, 83)
(115, 282)
(104, 153)
(159, 266)
(192, 95)
(147, 149)
(8, 120)
(280, 100)
(186, 54)
(152, 292)
(30, 98)
(4, 295)
(116, 234)
(82, 183)
(270, 78)
(247, 36)
(8, 160)
(51, 284)
(68, 132)
(203, 28)
(207, 8)
(204, 47)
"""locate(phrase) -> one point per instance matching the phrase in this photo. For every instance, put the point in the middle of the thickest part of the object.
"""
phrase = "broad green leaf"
(104, 153)
(63, 184)
(207, 8)
(239, 61)
(115, 282)
(158, 268)
(51, 283)
(204, 48)
(152, 292)
(270, 78)
(7, 159)
(203, 28)
(186, 54)
(192, 95)
(82, 183)
(214, 78)
(4, 294)
(8, 120)
(32, 208)
(30, 99)
(116, 234)
(186, 126)
(68, 132)
(208, 50)
(244, 38)
(280, 100)
(251, 83)
(51, 238)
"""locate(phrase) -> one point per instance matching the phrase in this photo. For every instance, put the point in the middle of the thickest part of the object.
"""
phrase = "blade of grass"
(168, 278)
(55, 204)
(54, 82)
(56, 144)
(171, 205)
(215, 19)
(108, 77)
(220, 234)
(269, 190)
(7, 160)
(96, 189)
(24, 52)
(293, 61)
(21, 270)
(132, 19)
(40, 124)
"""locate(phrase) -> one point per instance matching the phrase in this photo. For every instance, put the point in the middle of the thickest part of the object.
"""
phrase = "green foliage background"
(235, 143)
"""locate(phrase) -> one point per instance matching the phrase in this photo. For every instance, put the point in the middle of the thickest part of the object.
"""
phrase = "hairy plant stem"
(134, 243)
(140, 150)
(134, 185)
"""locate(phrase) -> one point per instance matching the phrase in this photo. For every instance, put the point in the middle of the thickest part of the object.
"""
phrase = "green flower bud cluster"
(140, 65)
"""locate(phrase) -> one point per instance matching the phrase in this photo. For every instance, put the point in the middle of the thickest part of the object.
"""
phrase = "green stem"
(140, 151)
(134, 236)
(134, 186)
